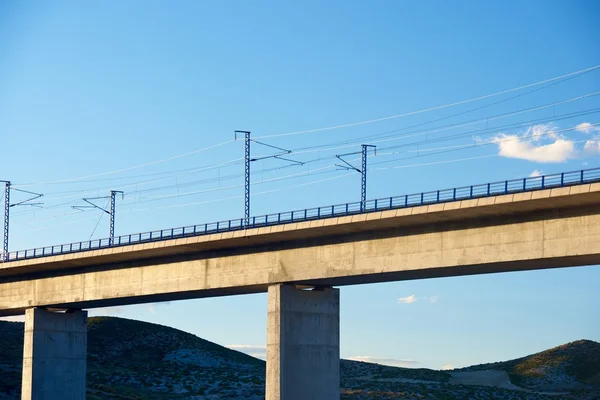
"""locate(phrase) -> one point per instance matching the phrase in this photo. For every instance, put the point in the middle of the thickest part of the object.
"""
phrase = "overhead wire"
(430, 108)
(453, 161)
(328, 179)
(197, 203)
(315, 160)
(53, 226)
(234, 161)
(485, 144)
(493, 129)
(130, 168)
(422, 132)
(367, 137)
(99, 219)
(417, 143)
(241, 196)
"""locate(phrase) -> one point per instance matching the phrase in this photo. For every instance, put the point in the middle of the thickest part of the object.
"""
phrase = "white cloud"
(408, 299)
(514, 146)
(106, 311)
(592, 146)
(412, 299)
(540, 131)
(14, 318)
(257, 351)
(447, 367)
(385, 361)
(153, 307)
(535, 173)
(586, 127)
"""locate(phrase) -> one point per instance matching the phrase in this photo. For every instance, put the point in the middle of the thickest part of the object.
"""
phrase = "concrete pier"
(54, 355)
(303, 344)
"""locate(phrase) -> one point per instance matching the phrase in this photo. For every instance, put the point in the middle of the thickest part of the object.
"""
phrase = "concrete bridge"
(298, 264)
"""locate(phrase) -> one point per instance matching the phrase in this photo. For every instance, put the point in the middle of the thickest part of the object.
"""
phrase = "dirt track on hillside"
(491, 378)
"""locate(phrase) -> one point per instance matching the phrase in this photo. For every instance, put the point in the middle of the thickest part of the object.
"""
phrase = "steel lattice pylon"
(111, 212)
(363, 172)
(247, 161)
(112, 216)
(247, 178)
(6, 220)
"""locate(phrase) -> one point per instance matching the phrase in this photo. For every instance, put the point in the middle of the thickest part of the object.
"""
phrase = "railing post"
(217, 227)
(422, 198)
(305, 214)
(229, 226)
(292, 216)
(346, 208)
(581, 179)
(61, 248)
(205, 228)
(543, 181)
(375, 204)
(505, 187)
(318, 212)
(332, 210)
(438, 196)
(279, 218)
(471, 193)
(454, 194)
(524, 184)
(488, 190)
(562, 179)
(405, 200)
(391, 204)
(253, 222)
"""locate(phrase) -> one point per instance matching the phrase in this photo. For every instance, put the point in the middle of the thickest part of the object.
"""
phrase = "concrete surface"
(299, 232)
(54, 355)
(544, 229)
(303, 344)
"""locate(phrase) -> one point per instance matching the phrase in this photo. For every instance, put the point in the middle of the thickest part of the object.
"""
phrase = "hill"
(130, 359)
(574, 365)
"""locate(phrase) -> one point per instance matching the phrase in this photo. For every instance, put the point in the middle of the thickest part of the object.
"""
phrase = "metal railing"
(410, 200)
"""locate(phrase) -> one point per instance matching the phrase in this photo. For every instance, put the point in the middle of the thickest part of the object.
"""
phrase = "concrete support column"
(303, 344)
(54, 355)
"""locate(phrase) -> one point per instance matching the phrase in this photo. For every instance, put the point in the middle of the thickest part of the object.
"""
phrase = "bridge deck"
(542, 229)
(300, 234)
(487, 190)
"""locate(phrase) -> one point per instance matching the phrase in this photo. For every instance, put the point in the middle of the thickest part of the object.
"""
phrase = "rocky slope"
(572, 366)
(136, 360)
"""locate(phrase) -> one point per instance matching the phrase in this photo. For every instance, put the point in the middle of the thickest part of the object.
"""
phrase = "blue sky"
(87, 89)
